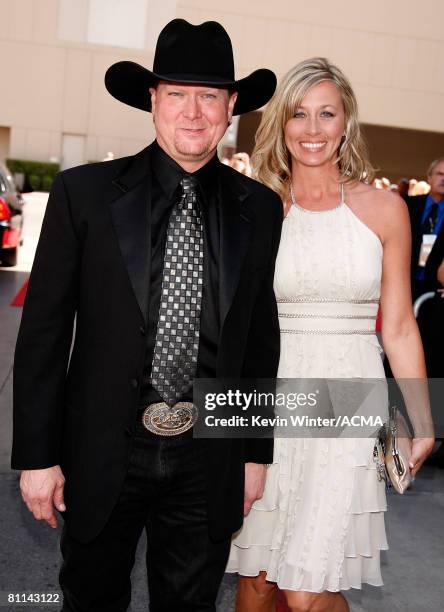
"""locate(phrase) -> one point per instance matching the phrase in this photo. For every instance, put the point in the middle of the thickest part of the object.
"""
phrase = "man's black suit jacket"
(92, 266)
(434, 261)
(416, 205)
(431, 318)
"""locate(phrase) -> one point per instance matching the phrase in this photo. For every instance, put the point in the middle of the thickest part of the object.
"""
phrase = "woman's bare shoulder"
(382, 211)
(380, 200)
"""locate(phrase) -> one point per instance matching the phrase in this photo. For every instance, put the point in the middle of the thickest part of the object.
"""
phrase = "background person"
(241, 163)
(431, 314)
(420, 188)
(403, 187)
(427, 220)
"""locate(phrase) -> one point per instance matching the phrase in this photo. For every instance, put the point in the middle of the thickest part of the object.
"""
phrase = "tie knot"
(188, 184)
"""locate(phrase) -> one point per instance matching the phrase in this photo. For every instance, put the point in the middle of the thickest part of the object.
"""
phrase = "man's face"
(190, 120)
(436, 182)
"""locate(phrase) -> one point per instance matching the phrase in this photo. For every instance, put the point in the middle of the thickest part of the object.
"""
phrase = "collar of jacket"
(130, 206)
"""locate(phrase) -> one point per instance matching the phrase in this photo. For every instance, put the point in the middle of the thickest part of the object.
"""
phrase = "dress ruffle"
(319, 525)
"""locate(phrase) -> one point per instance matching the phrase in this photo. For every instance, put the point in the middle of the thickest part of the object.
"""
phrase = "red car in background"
(11, 218)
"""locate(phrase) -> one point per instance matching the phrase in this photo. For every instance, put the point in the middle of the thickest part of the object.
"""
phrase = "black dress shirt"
(166, 176)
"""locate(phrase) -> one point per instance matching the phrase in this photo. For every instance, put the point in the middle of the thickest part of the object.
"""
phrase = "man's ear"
(231, 103)
(153, 94)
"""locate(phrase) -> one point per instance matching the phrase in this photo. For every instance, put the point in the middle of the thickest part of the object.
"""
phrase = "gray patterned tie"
(177, 338)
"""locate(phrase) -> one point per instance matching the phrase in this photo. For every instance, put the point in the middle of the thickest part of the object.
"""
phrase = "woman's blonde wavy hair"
(271, 158)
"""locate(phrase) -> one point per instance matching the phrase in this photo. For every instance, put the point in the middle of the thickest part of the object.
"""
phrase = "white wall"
(391, 50)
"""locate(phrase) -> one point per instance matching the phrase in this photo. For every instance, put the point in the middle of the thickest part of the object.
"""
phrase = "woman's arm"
(400, 334)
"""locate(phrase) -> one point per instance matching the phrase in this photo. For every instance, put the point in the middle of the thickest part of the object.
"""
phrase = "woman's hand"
(421, 449)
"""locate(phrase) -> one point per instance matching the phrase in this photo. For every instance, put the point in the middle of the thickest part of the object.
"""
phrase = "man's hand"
(254, 484)
(41, 491)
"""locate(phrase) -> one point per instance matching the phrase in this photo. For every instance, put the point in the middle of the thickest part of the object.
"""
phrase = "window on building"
(119, 23)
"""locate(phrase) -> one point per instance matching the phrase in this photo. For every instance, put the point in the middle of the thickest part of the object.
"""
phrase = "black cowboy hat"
(195, 55)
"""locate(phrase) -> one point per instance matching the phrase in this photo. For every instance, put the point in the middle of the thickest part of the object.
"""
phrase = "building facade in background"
(54, 106)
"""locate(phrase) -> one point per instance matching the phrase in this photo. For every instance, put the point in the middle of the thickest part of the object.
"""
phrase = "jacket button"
(142, 330)
(134, 383)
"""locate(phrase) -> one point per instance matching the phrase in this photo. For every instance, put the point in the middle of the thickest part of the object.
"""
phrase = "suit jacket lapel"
(235, 230)
(130, 207)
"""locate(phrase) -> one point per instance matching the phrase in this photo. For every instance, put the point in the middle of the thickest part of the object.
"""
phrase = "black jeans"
(165, 493)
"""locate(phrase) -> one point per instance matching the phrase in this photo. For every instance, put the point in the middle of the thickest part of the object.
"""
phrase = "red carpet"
(20, 297)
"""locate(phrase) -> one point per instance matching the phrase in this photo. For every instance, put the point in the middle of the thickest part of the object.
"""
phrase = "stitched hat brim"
(129, 83)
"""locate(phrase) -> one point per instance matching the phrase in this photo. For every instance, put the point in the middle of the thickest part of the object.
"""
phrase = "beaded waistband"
(328, 316)
(322, 332)
(300, 300)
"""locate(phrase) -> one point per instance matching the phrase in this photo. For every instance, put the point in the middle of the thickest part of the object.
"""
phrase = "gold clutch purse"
(393, 451)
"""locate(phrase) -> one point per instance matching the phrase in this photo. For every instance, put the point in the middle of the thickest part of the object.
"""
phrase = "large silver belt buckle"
(162, 420)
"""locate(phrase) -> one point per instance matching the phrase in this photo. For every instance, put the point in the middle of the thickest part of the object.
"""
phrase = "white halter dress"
(320, 523)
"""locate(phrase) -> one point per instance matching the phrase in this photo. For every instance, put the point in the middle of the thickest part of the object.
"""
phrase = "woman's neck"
(314, 183)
